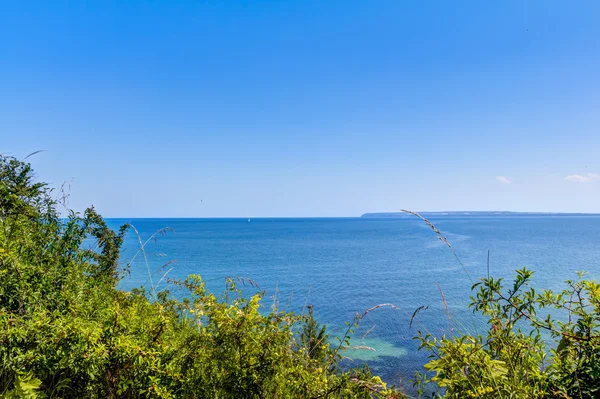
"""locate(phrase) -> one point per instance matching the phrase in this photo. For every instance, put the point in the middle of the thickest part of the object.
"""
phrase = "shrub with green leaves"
(516, 358)
(68, 331)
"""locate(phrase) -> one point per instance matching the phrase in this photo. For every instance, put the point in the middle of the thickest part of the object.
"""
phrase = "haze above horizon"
(305, 108)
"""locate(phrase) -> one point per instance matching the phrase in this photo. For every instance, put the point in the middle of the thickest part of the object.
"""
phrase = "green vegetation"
(67, 331)
(513, 359)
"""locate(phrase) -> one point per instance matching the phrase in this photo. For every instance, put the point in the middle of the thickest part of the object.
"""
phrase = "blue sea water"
(344, 266)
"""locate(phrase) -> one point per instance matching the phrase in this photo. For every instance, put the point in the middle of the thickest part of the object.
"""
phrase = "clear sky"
(305, 108)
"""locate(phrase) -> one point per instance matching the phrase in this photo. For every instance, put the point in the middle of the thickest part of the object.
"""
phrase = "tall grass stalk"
(142, 249)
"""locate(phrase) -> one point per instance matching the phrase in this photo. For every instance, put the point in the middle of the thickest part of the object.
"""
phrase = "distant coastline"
(471, 213)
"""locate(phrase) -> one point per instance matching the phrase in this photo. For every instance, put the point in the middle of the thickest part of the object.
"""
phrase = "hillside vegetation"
(68, 331)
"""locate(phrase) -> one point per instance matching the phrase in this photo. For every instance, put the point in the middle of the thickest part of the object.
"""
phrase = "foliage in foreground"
(67, 331)
(513, 359)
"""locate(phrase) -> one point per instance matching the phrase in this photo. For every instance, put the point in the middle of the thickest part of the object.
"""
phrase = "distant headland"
(471, 213)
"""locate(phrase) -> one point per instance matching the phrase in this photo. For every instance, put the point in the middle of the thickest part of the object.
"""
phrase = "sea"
(346, 266)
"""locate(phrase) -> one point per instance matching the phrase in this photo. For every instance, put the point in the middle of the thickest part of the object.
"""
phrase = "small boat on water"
(248, 220)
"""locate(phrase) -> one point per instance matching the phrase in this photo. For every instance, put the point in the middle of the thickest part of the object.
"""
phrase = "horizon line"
(439, 213)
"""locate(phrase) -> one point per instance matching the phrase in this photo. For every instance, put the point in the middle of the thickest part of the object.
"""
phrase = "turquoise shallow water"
(346, 265)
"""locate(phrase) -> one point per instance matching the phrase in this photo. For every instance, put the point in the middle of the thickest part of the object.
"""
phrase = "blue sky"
(305, 108)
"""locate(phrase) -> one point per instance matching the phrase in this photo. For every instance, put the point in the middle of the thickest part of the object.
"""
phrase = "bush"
(67, 331)
(513, 360)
